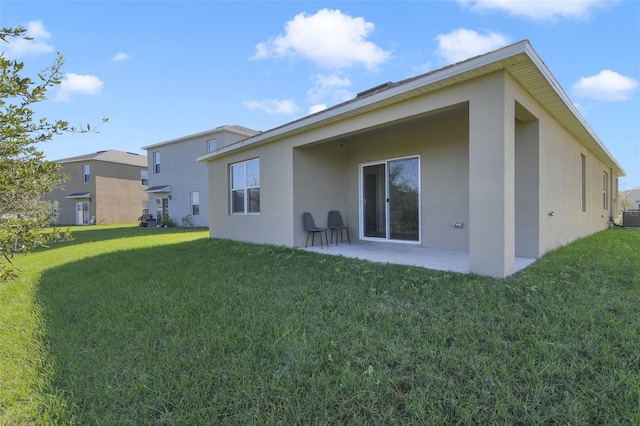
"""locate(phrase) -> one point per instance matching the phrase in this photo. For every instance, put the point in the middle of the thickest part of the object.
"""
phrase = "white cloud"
(78, 84)
(273, 106)
(606, 86)
(329, 38)
(317, 108)
(20, 47)
(539, 9)
(423, 68)
(330, 86)
(120, 56)
(463, 44)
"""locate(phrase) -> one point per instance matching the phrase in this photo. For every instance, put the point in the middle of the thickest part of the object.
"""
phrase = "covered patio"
(404, 254)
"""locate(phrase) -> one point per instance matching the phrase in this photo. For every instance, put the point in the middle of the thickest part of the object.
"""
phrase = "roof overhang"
(79, 195)
(519, 60)
(158, 189)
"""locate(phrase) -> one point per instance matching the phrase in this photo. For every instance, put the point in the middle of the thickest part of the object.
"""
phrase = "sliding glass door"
(390, 208)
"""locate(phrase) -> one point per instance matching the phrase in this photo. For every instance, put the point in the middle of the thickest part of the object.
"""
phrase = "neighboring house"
(633, 197)
(177, 182)
(487, 156)
(103, 187)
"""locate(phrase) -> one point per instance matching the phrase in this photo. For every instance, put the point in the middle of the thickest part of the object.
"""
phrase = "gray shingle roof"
(109, 156)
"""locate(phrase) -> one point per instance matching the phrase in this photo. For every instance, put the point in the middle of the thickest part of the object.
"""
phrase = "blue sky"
(165, 69)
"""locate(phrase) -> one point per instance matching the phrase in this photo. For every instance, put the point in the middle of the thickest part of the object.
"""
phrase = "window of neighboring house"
(211, 145)
(156, 162)
(86, 173)
(605, 191)
(583, 181)
(245, 187)
(145, 207)
(144, 177)
(195, 203)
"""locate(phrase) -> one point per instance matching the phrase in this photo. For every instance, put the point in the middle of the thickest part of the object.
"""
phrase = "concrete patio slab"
(407, 254)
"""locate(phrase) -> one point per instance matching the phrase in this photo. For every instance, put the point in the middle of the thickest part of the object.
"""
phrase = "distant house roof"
(109, 156)
(520, 60)
(232, 128)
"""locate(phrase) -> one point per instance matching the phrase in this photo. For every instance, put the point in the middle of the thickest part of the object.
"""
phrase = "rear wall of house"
(273, 224)
(118, 200)
(441, 142)
(319, 170)
(116, 192)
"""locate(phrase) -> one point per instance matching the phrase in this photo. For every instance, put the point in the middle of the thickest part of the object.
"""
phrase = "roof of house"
(232, 128)
(519, 59)
(109, 156)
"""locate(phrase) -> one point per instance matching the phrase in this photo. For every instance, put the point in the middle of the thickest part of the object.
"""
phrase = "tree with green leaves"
(626, 203)
(25, 175)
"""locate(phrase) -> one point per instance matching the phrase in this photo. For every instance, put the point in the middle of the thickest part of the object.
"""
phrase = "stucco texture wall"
(274, 223)
(118, 200)
(491, 157)
(441, 142)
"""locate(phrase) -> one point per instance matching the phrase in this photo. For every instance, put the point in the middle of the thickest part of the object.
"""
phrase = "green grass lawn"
(135, 326)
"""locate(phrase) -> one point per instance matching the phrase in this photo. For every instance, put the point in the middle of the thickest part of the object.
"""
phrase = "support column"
(491, 179)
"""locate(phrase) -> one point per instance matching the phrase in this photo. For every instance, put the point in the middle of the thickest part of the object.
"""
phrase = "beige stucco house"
(177, 182)
(487, 156)
(103, 187)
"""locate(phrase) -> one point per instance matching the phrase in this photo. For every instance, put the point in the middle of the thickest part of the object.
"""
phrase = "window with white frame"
(245, 187)
(86, 173)
(156, 163)
(144, 177)
(212, 145)
(605, 191)
(195, 203)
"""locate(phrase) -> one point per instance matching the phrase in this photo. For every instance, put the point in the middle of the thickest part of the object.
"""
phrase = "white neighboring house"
(178, 186)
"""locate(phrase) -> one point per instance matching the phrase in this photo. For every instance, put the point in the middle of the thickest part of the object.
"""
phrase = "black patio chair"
(335, 223)
(312, 229)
